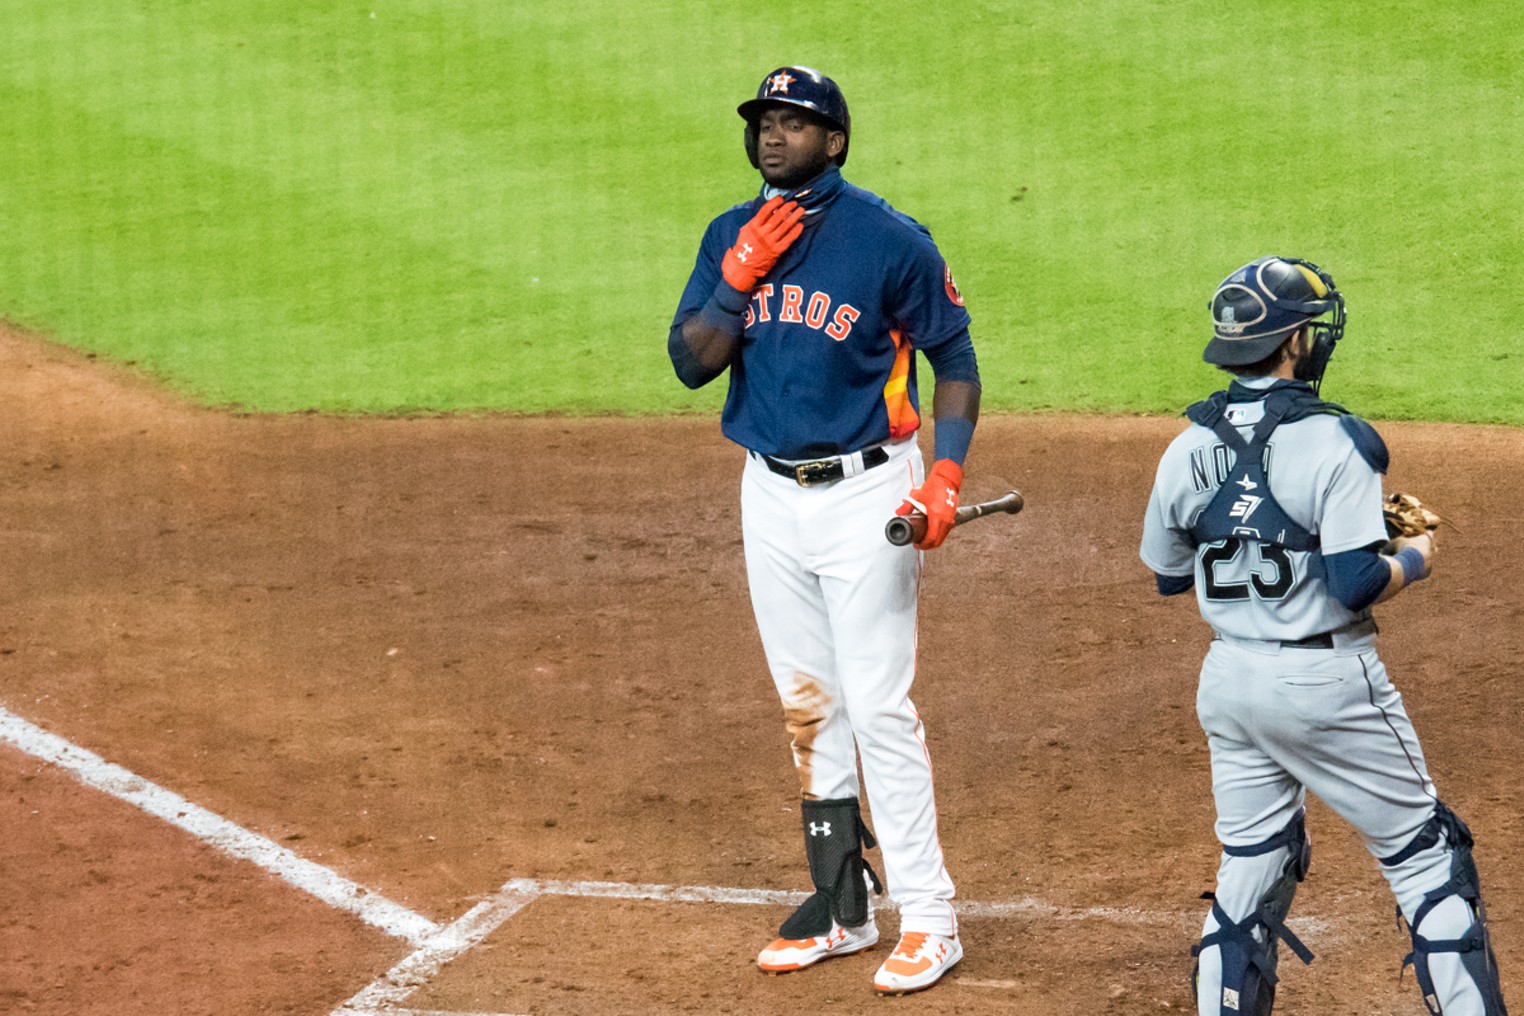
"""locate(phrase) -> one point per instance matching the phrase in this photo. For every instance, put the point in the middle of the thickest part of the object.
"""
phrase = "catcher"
(1269, 505)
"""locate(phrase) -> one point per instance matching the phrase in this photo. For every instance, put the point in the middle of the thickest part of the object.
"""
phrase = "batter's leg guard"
(834, 838)
(1248, 947)
(1474, 944)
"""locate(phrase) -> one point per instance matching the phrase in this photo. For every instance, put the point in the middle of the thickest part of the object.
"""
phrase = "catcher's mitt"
(1405, 515)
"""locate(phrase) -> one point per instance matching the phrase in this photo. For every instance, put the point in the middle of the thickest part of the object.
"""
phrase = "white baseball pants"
(835, 604)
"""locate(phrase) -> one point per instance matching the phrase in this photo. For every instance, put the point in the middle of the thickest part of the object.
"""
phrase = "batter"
(815, 295)
(1269, 505)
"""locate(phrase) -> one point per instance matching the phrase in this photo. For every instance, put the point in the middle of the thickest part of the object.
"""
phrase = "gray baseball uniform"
(1293, 696)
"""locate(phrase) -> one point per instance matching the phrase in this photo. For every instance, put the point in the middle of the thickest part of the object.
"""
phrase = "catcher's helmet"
(1259, 306)
(806, 88)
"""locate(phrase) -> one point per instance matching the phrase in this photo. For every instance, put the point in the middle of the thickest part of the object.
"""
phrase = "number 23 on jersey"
(1270, 573)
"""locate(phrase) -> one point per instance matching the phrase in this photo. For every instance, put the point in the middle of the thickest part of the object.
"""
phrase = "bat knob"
(900, 531)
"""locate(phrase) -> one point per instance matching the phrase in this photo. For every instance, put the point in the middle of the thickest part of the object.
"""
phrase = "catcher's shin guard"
(1473, 944)
(834, 838)
(1247, 948)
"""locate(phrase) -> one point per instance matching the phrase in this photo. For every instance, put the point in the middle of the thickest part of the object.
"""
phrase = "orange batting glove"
(761, 242)
(937, 499)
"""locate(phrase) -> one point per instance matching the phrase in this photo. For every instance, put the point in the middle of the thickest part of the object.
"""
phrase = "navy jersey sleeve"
(927, 305)
(701, 288)
(706, 271)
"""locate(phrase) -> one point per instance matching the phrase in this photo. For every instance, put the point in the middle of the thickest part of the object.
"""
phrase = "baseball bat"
(903, 529)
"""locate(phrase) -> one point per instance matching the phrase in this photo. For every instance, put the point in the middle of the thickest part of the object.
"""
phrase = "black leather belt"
(1323, 641)
(808, 474)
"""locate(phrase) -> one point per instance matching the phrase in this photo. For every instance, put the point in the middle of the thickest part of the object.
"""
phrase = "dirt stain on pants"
(804, 712)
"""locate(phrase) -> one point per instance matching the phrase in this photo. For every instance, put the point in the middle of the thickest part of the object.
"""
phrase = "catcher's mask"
(805, 88)
(1257, 307)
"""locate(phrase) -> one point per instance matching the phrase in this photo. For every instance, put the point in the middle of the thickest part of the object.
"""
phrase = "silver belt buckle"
(808, 474)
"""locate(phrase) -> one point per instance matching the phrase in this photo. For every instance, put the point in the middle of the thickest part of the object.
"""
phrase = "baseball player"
(1269, 504)
(816, 295)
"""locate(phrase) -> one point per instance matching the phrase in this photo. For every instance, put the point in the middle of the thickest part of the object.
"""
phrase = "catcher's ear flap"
(1321, 341)
(1325, 335)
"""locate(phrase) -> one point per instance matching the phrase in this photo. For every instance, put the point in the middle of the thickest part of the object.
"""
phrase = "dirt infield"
(434, 655)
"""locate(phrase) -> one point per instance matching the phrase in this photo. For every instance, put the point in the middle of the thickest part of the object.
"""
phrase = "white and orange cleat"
(918, 962)
(786, 954)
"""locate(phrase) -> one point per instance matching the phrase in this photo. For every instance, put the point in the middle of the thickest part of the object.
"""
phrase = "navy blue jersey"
(826, 361)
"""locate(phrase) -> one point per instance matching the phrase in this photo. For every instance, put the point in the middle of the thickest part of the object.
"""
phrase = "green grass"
(457, 205)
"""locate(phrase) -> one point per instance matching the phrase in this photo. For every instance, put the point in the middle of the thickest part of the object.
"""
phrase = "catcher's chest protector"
(1243, 507)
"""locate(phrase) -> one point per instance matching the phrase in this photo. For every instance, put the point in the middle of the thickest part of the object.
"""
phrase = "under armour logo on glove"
(761, 242)
(937, 499)
(820, 828)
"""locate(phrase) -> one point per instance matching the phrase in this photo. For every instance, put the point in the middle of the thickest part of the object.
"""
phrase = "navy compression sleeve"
(1357, 577)
(952, 437)
(1174, 585)
(954, 361)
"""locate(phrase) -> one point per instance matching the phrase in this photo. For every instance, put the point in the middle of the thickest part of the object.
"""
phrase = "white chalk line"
(437, 945)
(1027, 906)
(433, 1012)
(384, 997)
(216, 831)
(387, 993)
(999, 984)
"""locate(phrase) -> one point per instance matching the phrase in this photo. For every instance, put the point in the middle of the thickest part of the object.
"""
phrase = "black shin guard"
(1475, 946)
(834, 838)
(1248, 965)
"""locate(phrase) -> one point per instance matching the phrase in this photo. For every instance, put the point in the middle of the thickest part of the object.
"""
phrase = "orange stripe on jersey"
(903, 420)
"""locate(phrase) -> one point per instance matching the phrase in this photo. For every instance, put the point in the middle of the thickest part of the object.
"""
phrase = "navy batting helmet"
(1259, 306)
(806, 88)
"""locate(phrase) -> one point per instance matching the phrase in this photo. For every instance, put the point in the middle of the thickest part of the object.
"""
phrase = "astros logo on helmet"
(779, 83)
